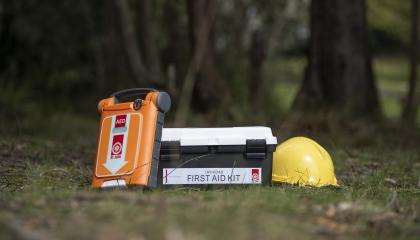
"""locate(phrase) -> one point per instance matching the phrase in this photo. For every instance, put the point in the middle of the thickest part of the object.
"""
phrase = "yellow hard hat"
(302, 161)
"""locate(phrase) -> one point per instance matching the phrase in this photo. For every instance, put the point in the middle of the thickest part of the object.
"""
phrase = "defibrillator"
(129, 138)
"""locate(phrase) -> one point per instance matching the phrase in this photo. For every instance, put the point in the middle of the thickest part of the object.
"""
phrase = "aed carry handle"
(163, 101)
(126, 93)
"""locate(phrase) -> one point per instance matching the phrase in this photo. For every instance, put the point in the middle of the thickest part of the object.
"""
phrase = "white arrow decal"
(114, 165)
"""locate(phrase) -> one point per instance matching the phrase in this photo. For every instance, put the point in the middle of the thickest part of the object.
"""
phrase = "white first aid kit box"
(216, 156)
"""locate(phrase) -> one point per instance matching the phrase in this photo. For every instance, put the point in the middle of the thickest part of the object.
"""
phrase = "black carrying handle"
(131, 92)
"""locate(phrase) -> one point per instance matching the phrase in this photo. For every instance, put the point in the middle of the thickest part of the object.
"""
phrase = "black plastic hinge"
(256, 149)
(170, 151)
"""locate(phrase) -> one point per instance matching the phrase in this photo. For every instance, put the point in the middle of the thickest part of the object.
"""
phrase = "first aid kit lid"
(217, 136)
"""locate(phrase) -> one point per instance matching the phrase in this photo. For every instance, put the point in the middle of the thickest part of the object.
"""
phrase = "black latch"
(170, 151)
(256, 149)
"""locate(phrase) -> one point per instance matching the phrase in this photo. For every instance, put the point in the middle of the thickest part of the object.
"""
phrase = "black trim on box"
(154, 165)
(256, 149)
(170, 151)
(231, 148)
(152, 181)
(194, 149)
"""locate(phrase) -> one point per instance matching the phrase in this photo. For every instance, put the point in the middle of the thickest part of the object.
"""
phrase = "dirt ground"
(45, 193)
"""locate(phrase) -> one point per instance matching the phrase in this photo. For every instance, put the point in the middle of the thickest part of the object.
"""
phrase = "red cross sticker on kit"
(255, 175)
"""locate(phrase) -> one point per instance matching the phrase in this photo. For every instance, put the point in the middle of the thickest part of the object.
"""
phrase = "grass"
(47, 195)
(45, 182)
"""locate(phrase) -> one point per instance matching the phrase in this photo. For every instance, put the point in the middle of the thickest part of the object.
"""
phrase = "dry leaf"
(327, 222)
(390, 181)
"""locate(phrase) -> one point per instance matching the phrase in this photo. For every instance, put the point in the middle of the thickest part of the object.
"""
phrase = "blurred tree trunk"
(116, 61)
(142, 75)
(412, 101)
(258, 54)
(148, 44)
(4, 26)
(95, 44)
(201, 13)
(136, 66)
(206, 78)
(339, 72)
(175, 55)
(7, 40)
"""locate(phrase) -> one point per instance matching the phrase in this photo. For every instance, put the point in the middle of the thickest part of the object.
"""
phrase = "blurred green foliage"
(389, 23)
(49, 53)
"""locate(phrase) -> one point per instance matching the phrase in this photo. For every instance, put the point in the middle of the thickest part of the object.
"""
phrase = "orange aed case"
(129, 138)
